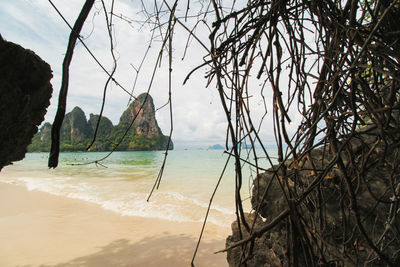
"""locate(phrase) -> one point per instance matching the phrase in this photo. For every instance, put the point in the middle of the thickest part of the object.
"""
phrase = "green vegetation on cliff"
(77, 132)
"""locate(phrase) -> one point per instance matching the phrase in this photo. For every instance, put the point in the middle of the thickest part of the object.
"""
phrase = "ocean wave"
(114, 196)
(196, 202)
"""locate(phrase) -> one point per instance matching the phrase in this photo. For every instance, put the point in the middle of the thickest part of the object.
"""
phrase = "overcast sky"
(199, 120)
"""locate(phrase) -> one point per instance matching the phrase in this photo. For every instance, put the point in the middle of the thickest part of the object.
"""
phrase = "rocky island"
(77, 132)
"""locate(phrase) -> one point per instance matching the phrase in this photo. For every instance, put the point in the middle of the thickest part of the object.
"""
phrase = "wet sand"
(40, 229)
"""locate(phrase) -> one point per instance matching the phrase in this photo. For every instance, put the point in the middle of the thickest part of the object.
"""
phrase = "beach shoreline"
(41, 229)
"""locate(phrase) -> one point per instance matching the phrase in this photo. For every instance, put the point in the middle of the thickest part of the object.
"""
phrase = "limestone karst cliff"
(45, 132)
(145, 134)
(75, 127)
(105, 126)
(145, 123)
(77, 132)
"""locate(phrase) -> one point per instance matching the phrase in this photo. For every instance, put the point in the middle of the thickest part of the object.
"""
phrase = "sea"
(123, 181)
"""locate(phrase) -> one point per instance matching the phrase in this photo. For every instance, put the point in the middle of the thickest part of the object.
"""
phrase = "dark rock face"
(25, 91)
(342, 241)
(262, 253)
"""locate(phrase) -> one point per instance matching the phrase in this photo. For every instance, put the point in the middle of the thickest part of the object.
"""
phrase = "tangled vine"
(332, 69)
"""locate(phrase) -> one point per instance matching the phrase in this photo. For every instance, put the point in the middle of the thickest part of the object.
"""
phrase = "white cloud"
(198, 116)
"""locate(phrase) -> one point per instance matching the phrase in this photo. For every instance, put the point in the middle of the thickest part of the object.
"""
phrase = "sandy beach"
(40, 229)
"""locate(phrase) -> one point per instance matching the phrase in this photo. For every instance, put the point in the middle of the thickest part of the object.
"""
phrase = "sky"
(198, 117)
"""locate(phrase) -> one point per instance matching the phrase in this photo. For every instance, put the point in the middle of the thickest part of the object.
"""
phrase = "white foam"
(196, 202)
(166, 205)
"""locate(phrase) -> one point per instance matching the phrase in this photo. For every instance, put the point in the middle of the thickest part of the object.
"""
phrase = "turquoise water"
(125, 182)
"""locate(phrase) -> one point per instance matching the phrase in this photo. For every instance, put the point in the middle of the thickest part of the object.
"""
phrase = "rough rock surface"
(77, 132)
(25, 92)
(264, 250)
(145, 123)
(75, 127)
(45, 132)
(340, 238)
(105, 126)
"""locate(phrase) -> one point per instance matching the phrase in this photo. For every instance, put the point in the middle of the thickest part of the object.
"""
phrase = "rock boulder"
(25, 92)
